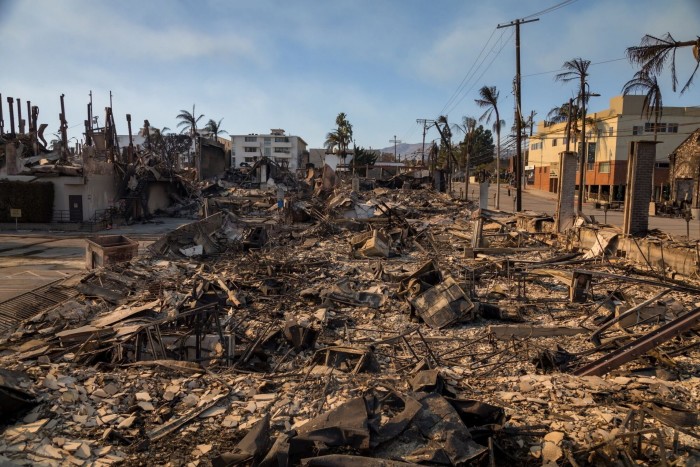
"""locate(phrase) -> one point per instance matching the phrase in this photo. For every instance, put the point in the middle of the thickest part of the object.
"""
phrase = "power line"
(551, 9)
(464, 94)
(476, 63)
(462, 83)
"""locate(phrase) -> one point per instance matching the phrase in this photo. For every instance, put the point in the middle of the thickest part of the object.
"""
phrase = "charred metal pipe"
(29, 116)
(131, 139)
(20, 121)
(11, 101)
(64, 126)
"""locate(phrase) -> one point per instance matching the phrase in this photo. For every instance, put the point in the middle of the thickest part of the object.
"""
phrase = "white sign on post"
(16, 213)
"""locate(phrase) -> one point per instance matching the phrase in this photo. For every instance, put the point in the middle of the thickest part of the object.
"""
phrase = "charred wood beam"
(64, 128)
(10, 101)
(20, 120)
(29, 117)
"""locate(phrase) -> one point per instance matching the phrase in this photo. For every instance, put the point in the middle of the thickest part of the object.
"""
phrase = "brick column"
(11, 158)
(566, 212)
(640, 168)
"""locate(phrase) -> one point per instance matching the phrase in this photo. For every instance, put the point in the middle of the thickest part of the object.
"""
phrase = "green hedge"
(35, 199)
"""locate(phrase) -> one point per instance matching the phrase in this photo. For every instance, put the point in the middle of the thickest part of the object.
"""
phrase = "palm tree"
(445, 139)
(577, 69)
(341, 136)
(332, 140)
(653, 54)
(468, 126)
(214, 128)
(489, 100)
(560, 114)
(652, 105)
(188, 121)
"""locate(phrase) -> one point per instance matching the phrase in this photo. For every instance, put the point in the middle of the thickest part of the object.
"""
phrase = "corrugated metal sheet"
(29, 304)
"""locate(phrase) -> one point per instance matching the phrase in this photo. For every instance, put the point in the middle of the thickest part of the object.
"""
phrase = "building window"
(637, 130)
(590, 166)
(604, 168)
(267, 152)
(661, 127)
(662, 165)
(250, 149)
(281, 139)
(554, 142)
(610, 131)
(250, 159)
(649, 127)
(267, 140)
(282, 150)
(251, 139)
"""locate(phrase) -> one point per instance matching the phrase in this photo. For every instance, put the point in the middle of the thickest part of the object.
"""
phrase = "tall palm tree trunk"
(498, 166)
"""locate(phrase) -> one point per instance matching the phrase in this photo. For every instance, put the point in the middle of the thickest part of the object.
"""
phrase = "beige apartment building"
(608, 134)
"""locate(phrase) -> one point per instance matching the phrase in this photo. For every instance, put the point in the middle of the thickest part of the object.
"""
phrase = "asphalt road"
(29, 260)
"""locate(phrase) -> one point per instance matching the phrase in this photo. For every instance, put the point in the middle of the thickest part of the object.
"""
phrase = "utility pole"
(425, 122)
(395, 141)
(518, 112)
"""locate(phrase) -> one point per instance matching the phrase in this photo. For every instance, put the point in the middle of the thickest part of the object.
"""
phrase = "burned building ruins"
(324, 320)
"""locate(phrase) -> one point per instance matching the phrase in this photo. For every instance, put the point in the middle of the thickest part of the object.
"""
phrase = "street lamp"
(582, 163)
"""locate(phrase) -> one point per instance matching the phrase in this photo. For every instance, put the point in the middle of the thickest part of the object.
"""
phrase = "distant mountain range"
(408, 151)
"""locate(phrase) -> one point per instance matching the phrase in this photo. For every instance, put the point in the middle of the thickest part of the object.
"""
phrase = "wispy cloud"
(104, 31)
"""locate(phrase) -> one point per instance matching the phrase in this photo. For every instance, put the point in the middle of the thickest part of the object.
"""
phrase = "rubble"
(383, 327)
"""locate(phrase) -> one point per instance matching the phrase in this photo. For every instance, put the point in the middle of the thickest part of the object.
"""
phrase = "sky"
(296, 64)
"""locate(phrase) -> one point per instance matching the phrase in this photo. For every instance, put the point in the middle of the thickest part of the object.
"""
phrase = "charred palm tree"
(653, 54)
(188, 121)
(652, 105)
(214, 128)
(468, 127)
(577, 70)
(489, 100)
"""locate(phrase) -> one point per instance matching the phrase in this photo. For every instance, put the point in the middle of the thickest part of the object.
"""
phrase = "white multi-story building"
(286, 150)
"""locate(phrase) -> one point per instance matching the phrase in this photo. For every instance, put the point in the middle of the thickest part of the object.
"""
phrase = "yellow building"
(608, 134)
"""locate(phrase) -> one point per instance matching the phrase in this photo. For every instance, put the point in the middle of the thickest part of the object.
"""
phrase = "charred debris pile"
(378, 328)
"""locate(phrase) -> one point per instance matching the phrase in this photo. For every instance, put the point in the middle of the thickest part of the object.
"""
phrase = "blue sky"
(296, 64)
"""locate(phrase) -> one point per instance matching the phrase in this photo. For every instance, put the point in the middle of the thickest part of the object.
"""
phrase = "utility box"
(109, 249)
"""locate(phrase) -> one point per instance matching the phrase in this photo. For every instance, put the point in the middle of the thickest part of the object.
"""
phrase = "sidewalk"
(542, 201)
(150, 230)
